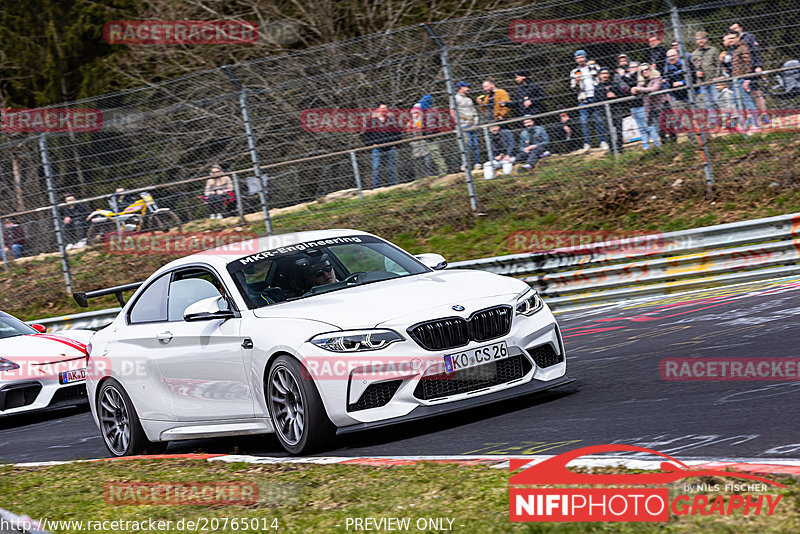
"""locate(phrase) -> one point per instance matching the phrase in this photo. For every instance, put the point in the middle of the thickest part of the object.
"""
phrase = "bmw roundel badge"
(458, 307)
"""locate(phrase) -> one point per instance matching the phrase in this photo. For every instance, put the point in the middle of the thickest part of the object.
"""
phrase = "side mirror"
(208, 309)
(434, 261)
(39, 327)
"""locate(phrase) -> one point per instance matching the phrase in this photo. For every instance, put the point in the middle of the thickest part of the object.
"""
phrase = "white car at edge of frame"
(40, 371)
(309, 335)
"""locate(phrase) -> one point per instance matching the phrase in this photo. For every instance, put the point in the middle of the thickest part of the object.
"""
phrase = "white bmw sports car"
(39, 370)
(309, 335)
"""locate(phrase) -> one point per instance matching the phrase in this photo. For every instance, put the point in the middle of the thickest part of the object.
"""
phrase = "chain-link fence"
(296, 141)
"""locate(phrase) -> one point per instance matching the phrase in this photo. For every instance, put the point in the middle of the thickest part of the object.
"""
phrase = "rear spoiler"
(83, 298)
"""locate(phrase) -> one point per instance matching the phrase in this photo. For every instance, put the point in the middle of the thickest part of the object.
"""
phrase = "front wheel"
(298, 415)
(163, 221)
(119, 424)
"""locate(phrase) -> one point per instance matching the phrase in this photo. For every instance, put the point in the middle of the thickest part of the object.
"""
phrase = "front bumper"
(422, 412)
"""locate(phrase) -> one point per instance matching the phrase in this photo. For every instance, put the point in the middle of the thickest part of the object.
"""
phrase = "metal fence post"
(237, 190)
(51, 193)
(354, 161)
(701, 137)
(612, 130)
(451, 91)
(488, 141)
(251, 142)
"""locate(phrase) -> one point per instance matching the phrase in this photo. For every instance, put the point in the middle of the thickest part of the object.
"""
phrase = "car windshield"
(315, 267)
(11, 326)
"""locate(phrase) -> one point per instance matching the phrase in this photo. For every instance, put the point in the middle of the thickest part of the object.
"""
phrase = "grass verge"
(320, 498)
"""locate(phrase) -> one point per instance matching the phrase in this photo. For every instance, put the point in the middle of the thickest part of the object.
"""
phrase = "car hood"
(43, 347)
(419, 297)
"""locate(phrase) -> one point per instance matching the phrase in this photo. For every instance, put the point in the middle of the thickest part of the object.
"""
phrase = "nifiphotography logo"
(622, 501)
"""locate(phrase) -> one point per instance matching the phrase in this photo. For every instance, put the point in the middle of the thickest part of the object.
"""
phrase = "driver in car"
(321, 272)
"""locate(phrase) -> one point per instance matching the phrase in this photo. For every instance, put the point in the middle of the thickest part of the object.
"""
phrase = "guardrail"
(656, 264)
(625, 269)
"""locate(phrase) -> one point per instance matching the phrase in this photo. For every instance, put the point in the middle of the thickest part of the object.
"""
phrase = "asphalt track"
(614, 352)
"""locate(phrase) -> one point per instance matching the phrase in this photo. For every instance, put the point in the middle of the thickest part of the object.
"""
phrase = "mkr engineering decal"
(625, 503)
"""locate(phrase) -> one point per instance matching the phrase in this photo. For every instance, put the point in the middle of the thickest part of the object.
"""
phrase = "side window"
(151, 306)
(190, 287)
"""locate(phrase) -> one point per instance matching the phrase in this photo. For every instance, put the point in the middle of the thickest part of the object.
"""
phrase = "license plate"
(474, 357)
(75, 375)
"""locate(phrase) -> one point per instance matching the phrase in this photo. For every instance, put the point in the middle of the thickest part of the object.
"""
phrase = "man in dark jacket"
(528, 96)
(755, 58)
(607, 90)
(658, 53)
(74, 221)
(532, 143)
(564, 135)
(676, 75)
(382, 130)
(502, 151)
(14, 238)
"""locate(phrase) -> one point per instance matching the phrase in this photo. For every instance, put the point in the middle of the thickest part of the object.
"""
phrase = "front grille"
(441, 333)
(18, 395)
(376, 395)
(473, 378)
(452, 332)
(491, 323)
(545, 356)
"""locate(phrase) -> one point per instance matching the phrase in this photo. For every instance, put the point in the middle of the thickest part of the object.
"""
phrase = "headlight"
(7, 365)
(356, 340)
(529, 303)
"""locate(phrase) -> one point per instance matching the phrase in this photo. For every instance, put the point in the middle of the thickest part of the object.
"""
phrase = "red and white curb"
(777, 466)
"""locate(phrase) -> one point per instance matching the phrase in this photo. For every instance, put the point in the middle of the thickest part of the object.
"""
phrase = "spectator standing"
(494, 102)
(608, 90)
(419, 117)
(621, 72)
(528, 96)
(707, 69)
(380, 131)
(740, 64)
(658, 54)
(218, 188)
(503, 149)
(468, 114)
(727, 105)
(564, 137)
(649, 81)
(757, 63)
(677, 75)
(583, 79)
(14, 238)
(75, 222)
(532, 143)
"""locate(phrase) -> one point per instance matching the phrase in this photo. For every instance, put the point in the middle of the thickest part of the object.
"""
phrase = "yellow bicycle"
(143, 215)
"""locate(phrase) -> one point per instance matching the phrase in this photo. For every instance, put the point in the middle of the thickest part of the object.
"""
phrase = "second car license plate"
(75, 375)
(474, 357)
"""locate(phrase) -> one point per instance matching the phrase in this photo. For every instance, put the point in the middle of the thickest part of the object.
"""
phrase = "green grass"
(655, 191)
(320, 498)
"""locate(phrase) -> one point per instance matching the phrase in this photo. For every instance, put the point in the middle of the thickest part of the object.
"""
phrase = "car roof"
(219, 257)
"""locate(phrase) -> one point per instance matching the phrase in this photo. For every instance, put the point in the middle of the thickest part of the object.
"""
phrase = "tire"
(120, 428)
(163, 221)
(286, 390)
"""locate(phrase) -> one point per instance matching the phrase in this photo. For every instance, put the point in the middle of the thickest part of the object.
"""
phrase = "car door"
(202, 363)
